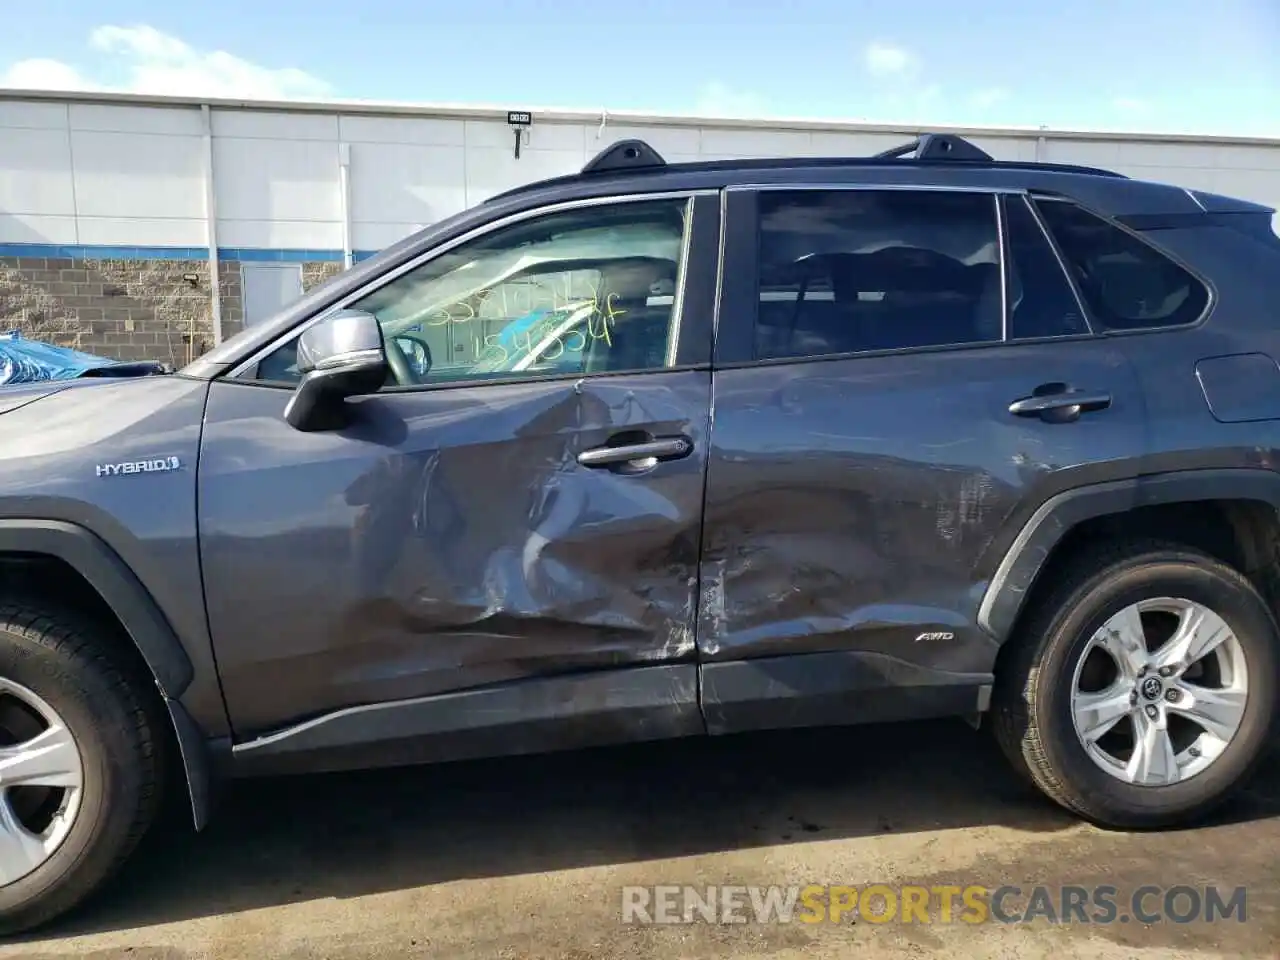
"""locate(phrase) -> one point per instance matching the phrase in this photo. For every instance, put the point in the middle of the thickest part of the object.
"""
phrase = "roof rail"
(624, 155)
(937, 146)
(636, 156)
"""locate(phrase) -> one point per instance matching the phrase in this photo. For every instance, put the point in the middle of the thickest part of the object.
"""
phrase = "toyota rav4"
(660, 450)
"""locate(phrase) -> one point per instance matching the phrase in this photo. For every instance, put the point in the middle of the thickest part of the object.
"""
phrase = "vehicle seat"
(628, 332)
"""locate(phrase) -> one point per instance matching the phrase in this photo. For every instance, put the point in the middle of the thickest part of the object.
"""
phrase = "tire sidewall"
(1167, 575)
(97, 720)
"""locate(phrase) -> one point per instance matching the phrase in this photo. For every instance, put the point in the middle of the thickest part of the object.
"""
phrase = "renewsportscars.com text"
(971, 904)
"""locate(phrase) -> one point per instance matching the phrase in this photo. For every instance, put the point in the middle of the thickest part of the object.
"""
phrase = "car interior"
(894, 297)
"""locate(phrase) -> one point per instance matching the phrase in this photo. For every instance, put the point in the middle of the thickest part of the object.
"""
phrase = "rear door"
(902, 377)
(508, 543)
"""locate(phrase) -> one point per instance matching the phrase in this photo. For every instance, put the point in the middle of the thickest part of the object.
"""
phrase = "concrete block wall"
(127, 309)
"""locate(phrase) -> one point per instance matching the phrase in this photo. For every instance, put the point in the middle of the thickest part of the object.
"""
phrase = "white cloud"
(155, 62)
(988, 97)
(1131, 105)
(40, 74)
(886, 60)
(717, 99)
(141, 41)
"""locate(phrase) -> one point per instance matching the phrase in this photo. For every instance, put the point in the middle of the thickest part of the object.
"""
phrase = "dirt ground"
(526, 858)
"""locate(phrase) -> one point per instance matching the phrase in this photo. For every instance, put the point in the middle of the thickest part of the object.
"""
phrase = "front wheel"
(80, 762)
(1141, 693)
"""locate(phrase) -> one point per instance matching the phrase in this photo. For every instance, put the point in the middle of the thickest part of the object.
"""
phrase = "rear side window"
(1126, 284)
(848, 271)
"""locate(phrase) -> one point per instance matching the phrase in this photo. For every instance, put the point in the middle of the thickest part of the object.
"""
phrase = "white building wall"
(37, 191)
(136, 175)
(128, 172)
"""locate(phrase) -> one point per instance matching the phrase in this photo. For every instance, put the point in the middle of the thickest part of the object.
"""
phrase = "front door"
(888, 410)
(513, 534)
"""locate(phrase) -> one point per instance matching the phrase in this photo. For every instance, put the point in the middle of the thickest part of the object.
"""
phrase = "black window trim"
(243, 372)
(1091, 330)
(740, 258)
(1035, 197)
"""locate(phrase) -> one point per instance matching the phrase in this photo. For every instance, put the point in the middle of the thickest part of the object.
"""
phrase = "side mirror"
(340, 357)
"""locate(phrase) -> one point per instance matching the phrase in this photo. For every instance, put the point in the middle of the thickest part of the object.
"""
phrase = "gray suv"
(661, 450)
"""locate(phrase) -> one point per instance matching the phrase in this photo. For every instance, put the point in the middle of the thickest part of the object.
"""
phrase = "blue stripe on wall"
(114, 252)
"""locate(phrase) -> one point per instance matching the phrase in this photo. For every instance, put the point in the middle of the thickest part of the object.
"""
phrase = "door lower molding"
(531, 716)
(617, 706)
(824, 689)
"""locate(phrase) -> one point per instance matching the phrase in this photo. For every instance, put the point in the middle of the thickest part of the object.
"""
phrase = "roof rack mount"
(625, 155)
(937, 146)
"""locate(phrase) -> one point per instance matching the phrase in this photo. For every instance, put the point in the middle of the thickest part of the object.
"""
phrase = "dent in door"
(851, 503)
(449, 539)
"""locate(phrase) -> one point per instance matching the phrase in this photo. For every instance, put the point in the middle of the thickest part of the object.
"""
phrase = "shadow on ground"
(284, 840)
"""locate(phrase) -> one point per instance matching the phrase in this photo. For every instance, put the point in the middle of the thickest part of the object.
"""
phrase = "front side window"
(589, 290)
(847, 271)
(1125, 283)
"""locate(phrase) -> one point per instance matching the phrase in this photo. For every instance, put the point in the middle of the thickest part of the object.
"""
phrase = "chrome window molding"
(868, 187)
(682, 281)
(720, 255)
(1003, 251)
(249, 363)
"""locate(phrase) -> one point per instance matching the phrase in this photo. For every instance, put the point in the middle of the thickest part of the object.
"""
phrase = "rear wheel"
(1142, 691)
(79, 764)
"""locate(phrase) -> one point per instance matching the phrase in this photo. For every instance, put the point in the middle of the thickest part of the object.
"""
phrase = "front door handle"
(665, 448)
(1060, 405)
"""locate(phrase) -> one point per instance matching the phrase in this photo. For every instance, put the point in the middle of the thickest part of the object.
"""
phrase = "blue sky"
(1172, 65)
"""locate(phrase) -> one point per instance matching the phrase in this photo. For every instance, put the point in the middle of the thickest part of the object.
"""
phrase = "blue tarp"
(30, 361)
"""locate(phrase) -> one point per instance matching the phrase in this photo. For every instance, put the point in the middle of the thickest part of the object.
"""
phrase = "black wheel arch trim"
(144, 622)
(104, 570)
(1013, 579)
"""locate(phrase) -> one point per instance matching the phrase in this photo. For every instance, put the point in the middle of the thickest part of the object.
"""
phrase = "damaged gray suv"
(662, 450)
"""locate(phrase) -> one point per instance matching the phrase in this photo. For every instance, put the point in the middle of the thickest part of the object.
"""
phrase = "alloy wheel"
(1159, 692)
(41, 781)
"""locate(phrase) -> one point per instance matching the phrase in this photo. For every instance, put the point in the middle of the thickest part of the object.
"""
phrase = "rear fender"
(1009, 587)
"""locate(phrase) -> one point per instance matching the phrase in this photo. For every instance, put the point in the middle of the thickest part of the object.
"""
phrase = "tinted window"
(1041, 301)
(581, 291)
(1126, 284)
(846, 271)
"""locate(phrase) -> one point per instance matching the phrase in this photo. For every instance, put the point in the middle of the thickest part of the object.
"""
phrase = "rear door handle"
(1066, 405)
(665, 448)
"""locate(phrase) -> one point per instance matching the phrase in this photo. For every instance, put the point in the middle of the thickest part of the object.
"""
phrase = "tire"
(1032, 705)
(75, 668)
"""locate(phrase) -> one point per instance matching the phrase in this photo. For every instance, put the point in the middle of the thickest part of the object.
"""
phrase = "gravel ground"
(525, 858)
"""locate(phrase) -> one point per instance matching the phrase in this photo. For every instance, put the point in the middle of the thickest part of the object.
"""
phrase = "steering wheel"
(407, 373)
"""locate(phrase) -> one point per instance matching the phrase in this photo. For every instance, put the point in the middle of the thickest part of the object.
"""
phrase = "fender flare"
(1011, 583)
(143, 621)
